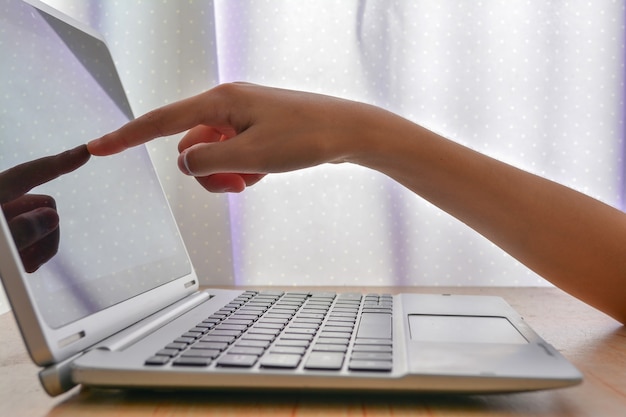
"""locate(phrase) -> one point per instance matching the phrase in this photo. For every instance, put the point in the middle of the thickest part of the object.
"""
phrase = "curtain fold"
(536, 84)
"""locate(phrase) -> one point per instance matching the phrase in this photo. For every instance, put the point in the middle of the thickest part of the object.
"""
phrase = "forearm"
(574, 241)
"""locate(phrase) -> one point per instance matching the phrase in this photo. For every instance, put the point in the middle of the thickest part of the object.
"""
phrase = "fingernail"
(45, 220)
(183, 164)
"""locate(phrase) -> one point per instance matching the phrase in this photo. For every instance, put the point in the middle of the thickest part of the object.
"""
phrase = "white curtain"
(539, 84)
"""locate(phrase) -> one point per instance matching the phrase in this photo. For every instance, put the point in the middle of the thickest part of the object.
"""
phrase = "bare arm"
(574, 241)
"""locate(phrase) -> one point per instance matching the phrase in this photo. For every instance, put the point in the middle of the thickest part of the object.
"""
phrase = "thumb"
(229, 156)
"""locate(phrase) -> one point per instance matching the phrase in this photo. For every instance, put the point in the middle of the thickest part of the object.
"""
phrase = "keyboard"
(275, 330)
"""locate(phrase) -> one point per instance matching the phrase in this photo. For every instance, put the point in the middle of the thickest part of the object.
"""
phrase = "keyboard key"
(345, 310)
(344, 315)
(288, 302)
(324, 361)
(176, 346)
(191, 361)
(330, 348)
(230, 326)
(329, 295)
(185, 340)
(206, 326)
(295, 330)
(238, 321)
(287, 342)
(306, 320)
(277, 360)
(283, 315)
(319, 316)
(246, 350)
(349, 296)
(217, 338)
(293, 350)
(341, 321)
(348, 303)
(262, 304)
(375, 325)
(242, 316)
(239, 361)
(227, 333)
(253, 343)
(370, 365)
(210, 345)
(157, 360)
(262, 330)
(318, 304)
(271, 293)
(281, 320)
(284, 309)
(264, 324)
(375, 356)
(386, 310)
(384, 342)
(252, 310)
(201, 353)
(335, 335)
(372, 348)
(258, 336)
(168, 352)
(333, 341)
(195, 333)
(297, 324)
(294, 336)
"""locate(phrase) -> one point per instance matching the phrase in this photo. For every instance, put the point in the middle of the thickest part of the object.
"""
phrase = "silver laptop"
(118, 305)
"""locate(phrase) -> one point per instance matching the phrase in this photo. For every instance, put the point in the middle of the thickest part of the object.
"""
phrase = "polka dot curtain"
(537, 84)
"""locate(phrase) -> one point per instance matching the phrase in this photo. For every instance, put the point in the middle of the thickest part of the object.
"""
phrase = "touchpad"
(463, 329)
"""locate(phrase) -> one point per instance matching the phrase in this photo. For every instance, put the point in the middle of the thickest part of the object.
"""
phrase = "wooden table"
(595, 343)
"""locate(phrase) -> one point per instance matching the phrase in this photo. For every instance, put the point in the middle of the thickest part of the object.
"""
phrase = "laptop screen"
(117, 236)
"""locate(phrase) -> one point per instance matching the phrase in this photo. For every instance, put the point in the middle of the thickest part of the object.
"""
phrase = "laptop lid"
(120, 256)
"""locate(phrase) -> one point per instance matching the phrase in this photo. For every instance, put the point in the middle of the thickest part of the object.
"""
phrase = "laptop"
(119, 304)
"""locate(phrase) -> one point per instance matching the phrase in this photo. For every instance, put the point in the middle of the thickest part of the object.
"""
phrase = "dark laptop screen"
(117, 237)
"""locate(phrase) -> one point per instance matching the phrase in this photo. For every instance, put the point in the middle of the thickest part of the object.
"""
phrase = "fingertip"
(93, 147)
(80, 155)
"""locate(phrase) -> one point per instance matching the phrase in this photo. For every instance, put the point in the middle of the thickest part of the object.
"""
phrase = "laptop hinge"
(57, 379)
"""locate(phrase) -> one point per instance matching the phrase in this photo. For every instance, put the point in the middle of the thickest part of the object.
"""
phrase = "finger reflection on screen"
(33, 218)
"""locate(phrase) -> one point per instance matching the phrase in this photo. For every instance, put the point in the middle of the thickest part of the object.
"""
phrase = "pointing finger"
(174, 118)
(20, 179)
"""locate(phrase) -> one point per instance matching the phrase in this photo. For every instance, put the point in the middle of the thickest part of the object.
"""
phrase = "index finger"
(17, 181)
(168, 120)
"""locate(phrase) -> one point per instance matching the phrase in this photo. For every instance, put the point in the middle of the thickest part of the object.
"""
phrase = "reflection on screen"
(117, 235)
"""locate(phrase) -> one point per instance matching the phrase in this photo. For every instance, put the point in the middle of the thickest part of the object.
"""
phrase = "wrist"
(384, 141)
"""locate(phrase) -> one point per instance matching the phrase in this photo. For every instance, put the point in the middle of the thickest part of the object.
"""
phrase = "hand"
(33, 219)
(240, 132)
